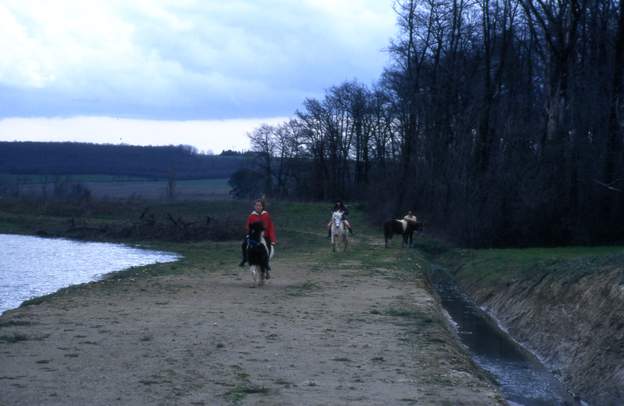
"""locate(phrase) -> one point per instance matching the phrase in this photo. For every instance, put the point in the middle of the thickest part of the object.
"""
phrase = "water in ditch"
(523, 380)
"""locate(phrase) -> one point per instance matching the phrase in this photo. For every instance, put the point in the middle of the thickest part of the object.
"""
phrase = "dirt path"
(332, 336)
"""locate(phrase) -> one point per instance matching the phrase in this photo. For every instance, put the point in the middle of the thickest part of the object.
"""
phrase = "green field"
(122, 187)
(39, 179)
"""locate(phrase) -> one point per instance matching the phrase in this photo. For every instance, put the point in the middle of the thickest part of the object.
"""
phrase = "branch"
(608, 186)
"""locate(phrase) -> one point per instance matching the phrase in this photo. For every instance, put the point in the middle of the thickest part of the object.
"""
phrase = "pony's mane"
(255, 230)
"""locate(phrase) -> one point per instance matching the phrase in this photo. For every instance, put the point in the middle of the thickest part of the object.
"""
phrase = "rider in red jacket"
(260, 214)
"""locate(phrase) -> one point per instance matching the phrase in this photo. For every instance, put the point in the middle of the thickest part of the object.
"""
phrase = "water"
(523, 380)
(33, 266)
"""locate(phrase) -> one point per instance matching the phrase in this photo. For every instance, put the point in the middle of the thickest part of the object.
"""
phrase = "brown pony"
(404, 227)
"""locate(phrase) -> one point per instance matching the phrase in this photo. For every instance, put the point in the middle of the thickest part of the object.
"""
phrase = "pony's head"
(337, 218)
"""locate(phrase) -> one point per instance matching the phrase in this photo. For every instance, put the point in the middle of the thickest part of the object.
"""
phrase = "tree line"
(499, 121)
(74, 158)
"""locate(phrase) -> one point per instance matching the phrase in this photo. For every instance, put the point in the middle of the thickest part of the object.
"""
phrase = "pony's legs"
(269, 250)
(258, 274)
(254, 273)
(244, 252)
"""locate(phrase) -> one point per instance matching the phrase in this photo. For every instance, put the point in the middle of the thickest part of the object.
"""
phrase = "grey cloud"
(206, 60)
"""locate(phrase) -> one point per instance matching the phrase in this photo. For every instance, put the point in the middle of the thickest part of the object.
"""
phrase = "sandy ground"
(312, 336)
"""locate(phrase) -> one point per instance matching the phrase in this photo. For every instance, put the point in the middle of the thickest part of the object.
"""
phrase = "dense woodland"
(498, 121)
(72, 158)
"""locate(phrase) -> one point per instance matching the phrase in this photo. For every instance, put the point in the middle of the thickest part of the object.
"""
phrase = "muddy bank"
(569, 312)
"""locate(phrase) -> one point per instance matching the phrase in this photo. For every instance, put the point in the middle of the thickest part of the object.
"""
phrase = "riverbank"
(360, 327)
(564, 304)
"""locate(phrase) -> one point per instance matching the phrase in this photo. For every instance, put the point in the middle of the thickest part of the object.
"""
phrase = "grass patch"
(244, 387)
(61, 292)
(13, 338)
(433, 247)
(240, 392)
(15, 323)
(37, 300)
(402, 312)
(496, 267)
(412, 315)
(301, 231)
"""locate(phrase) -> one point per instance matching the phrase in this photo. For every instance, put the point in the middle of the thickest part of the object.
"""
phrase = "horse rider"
(260, 214)
(410, 217)
(339, 206)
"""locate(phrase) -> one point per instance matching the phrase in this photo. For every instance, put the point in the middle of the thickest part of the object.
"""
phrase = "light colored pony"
(338, 231)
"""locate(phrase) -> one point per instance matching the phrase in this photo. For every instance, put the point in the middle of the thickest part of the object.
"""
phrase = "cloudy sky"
(198, 72)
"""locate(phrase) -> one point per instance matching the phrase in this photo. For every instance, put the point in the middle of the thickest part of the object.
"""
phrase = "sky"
(170, 72)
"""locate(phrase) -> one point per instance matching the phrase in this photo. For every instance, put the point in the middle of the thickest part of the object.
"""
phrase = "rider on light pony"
(339, 206)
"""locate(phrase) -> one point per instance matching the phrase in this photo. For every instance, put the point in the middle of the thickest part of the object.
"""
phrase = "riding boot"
(244, 253)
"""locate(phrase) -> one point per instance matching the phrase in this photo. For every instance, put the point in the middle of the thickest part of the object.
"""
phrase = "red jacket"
(265, 218)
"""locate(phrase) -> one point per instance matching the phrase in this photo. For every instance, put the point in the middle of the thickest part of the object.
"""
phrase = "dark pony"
(257, 254)
(404, 227)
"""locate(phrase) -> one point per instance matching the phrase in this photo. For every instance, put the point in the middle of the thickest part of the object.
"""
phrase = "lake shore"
(360, 327)
(33, 266)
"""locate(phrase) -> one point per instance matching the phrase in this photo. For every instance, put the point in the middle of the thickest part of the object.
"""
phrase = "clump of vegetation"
(244, 387)
(240, 392)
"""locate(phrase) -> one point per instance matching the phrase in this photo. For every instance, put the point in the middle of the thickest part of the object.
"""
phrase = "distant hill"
(65, 158)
